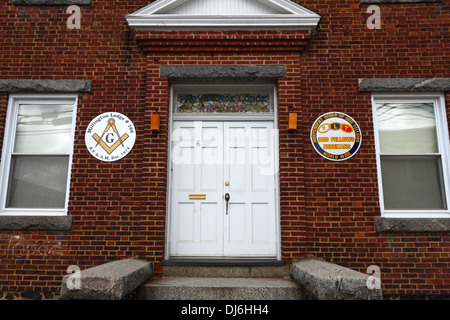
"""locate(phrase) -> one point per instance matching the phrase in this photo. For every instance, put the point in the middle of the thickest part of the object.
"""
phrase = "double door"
(223, 190)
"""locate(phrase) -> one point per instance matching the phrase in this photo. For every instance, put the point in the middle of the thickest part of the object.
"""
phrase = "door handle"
(227, 198)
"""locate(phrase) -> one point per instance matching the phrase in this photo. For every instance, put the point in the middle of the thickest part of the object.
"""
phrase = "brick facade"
(327, 208)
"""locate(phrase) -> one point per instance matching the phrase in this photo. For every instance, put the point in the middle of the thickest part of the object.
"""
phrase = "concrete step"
(196, 288)
(238, 271)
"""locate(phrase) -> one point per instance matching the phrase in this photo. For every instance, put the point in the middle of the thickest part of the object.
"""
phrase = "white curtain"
(40, 159)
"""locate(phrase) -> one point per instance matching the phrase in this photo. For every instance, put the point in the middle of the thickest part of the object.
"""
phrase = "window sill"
(47, 223)
(412, 224)
(397, 1)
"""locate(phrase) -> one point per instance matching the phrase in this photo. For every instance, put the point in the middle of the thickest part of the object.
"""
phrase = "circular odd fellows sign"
(110, 136)
(336, 136)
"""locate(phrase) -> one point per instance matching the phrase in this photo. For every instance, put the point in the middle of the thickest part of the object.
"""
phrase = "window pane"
(38, 182)
(413, 182)
(407, 128)
(44, 129)
(223, 103)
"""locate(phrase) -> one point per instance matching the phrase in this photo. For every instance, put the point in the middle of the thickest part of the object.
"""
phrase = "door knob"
(227, 198)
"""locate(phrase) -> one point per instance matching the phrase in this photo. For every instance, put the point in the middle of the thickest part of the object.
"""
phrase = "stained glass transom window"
(223, 103)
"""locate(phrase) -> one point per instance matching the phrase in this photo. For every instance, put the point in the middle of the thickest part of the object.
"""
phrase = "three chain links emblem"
(336, 136)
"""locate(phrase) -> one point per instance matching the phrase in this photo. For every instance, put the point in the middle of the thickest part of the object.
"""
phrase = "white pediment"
(223, 15)
(228, 7)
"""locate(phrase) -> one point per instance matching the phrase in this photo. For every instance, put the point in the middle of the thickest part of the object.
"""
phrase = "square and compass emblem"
(110, 136)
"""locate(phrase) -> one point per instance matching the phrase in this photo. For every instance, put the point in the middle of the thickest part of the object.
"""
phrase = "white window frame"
(438, 101)
(15, 100)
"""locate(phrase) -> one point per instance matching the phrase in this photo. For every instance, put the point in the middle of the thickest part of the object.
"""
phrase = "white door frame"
(218, 88)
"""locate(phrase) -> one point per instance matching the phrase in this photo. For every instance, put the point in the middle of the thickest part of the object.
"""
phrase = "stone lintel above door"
(244, 73)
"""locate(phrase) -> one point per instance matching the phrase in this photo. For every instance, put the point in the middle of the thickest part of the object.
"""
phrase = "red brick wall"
(105, 198)
(216, 49)
(327, 208)
(342, 198)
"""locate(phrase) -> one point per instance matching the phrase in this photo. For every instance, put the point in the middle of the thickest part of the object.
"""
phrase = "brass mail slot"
(197, 196)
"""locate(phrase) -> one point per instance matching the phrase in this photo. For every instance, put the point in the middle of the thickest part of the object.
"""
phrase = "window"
(412, 154)
(224, 101)
(37, 154)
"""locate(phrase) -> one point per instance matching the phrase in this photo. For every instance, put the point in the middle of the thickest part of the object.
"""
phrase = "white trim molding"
(280, 15)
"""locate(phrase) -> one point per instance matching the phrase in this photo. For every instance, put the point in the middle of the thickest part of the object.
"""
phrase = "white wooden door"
(209, 160)
(196, 224)
(250, 225)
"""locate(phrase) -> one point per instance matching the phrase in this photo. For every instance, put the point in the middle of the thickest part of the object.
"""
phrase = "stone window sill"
(412, 224)
(50, 2)
(397, 1)
(47, 223)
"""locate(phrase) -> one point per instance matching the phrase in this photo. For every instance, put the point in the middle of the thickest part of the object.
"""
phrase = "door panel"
(260, 223)
(196, 225)
(186, 224)
(209, 221)
(251, 222)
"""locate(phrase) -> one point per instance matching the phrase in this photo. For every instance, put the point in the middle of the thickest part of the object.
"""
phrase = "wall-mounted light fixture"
(154, 124)
(292, 123)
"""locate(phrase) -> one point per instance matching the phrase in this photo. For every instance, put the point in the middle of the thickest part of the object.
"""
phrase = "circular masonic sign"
(336, 136)
(110, 136)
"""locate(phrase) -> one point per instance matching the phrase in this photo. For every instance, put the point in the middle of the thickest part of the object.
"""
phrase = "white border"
(11, 120)
(224, 88)
(90, 142)
(438, 101)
